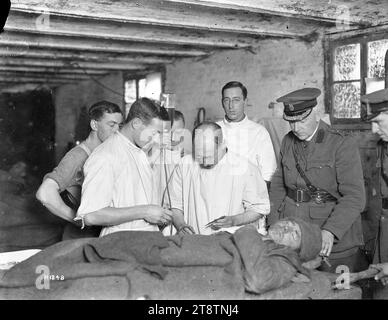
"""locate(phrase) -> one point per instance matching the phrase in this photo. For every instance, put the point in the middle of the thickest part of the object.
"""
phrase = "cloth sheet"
(132, 264)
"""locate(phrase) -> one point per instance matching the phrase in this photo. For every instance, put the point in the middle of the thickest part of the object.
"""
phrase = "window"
(148, 86)
(355, 66)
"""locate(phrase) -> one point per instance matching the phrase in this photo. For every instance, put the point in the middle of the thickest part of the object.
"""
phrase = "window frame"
(330, 43)
(137, 76)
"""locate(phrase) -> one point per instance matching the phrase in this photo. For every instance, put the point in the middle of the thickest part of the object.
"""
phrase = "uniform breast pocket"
(322, 172)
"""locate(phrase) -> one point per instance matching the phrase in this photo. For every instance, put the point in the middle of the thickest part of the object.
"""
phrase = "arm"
(350, 186)
(62, 177)
(266, 155)
(263, 271)
(176, 194)
(278, 189)
(110, 216)
(179, 222)
(48, 195)
(255, 201)
(97, 195)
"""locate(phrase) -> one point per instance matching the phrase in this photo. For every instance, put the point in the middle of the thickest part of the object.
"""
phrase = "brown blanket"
(138, 264)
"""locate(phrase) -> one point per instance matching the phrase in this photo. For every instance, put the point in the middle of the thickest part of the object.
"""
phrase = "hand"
(157, 215)
(313, 264)
(327, 243)
(383, 274)
(224, 222)
(185, 229)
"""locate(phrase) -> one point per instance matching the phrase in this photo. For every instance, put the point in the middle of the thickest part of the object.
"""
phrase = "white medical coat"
(118, 174)
(231, 187)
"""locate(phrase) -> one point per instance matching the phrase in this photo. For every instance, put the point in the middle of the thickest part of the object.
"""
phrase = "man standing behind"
(377, 113)
(105, 119)
(214, 183)
(243, 136)
(320, 180)
(119, 191)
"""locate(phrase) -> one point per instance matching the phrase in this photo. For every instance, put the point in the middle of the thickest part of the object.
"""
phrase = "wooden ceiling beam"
(23, 42)
(19, 61)
(34, 80)
(177, 15)
(269, 7)
(82, 56)
(57, 24)
(50, 70)
(45, 76)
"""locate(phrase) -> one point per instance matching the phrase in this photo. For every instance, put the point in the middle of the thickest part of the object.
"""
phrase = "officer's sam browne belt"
(312, 193)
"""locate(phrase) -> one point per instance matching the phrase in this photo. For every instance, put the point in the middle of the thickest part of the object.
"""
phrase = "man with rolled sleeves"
(320, 180)
(375, 110)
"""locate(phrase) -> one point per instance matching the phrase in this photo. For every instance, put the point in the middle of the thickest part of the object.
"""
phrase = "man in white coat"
(216, 184)
(243, 136)
(119, 191)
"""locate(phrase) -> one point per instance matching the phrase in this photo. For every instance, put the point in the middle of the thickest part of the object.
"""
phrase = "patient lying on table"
(132, 264)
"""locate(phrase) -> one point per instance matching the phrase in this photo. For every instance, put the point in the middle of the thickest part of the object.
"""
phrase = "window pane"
(151, 86)
(154, 86)
(130, 91)
(347, 62)
(346, 100)
(376, 56)
(142, 88)
(373, 84)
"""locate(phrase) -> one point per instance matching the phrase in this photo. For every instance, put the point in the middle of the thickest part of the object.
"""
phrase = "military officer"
(320, 179)
(375, 110)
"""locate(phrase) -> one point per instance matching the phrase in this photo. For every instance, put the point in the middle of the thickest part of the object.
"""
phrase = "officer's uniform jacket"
(331, 161)
(381, 252)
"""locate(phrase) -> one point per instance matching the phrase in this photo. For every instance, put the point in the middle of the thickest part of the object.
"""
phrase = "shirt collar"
(128, 142)
(310, 137)
(232, 124)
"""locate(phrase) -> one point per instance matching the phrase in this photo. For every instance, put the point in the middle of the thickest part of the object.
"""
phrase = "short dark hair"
(235, 84)
(179, 116)
(146, 109)
(97, 110)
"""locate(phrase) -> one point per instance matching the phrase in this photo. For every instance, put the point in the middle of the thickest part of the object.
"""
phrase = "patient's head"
(286, 232)
(299, 235)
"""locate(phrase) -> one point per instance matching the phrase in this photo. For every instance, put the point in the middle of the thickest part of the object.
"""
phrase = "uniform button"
(297, 204)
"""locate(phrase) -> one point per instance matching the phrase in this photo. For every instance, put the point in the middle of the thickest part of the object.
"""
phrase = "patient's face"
(287, 233)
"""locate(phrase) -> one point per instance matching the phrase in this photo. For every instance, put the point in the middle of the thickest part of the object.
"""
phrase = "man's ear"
(93, 125)
(136, 123)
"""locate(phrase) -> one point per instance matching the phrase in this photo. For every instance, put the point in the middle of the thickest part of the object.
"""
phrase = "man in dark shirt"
(105, 120)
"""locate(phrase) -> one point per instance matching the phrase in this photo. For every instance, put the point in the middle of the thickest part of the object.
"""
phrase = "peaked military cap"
(374, 103)
(298, 104)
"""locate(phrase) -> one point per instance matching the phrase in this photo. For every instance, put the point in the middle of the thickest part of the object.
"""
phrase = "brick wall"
(70, 99)
(276, 67)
